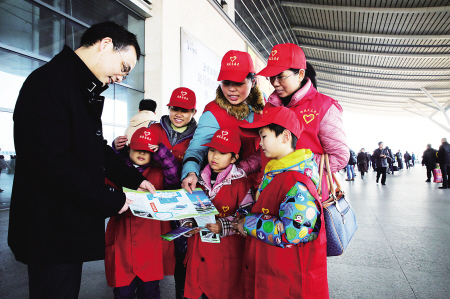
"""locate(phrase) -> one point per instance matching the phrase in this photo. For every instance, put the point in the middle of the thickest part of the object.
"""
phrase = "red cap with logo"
(235, 66)
(282, 116)
(283, 57)
(183, 97)
(226, 141)
(143, 138)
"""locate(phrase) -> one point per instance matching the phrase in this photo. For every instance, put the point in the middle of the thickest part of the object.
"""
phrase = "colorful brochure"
(170, 204)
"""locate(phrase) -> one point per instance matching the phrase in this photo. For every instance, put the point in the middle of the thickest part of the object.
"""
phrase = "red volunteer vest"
(249, 145)
(133, 244)
(215, 269)
(179, 149)
(296, 272)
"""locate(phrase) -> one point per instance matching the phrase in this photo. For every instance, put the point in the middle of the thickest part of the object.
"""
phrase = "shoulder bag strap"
(319, 189)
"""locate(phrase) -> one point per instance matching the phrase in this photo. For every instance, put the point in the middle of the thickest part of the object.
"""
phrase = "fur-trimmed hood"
(255, 99)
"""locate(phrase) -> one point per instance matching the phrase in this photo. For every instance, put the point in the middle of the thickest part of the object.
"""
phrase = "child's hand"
(154, 147)
(120, 142)
(238, 226)
(194, 231)
(215, 228)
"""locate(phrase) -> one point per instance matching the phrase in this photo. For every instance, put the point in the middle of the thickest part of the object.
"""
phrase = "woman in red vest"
(321, 116)
(238, 101)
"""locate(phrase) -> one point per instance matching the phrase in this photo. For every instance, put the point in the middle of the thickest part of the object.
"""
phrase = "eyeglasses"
(125, 67)
(279, 78)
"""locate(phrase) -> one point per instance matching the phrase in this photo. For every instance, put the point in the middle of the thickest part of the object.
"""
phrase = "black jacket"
(407, 157)
(429, 158)
(381, 162)
(59, 199)
(444, 154)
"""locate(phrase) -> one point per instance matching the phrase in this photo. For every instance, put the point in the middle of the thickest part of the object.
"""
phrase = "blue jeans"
(139, 288)
(350, 170)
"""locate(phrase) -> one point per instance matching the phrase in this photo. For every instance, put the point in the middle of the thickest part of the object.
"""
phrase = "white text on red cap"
(183, 96)
(224, 133)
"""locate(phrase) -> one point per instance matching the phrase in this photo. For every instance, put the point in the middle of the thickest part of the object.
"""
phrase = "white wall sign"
(199, 70)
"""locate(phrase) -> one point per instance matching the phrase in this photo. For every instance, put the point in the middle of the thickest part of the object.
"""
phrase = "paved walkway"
(401, 249)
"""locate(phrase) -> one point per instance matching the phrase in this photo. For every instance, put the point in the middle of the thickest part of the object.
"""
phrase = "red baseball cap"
(283, 57)
(226, 141)
(235, 66)
(183, 97)
(143, 138)
(281, 115)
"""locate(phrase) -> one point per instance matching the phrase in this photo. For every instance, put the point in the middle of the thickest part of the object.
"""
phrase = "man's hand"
(238, 226)
(147, 186)
(189, 182)
(120, 142)
(194, 231)
(215, 228)
(125, 206)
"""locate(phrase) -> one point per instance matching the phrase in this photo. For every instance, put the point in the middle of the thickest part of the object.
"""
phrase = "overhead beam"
(382, 80)
(370, 35)
(427, 117)
(425, 104)
(376, 68)
(437, 103)
(393, 90)
(400, 98)
(366, 102)
(367, 9)
(416, 55)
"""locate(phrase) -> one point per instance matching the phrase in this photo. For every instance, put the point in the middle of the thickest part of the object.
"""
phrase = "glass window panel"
(108, 133)
(74, 31)
(119, 131)
(136, 77)
(31, 28)
(131, 98)
(13, 71)
(108, 106)
(6, 133)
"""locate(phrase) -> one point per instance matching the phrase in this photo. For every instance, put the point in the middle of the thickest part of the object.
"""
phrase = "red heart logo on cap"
(183, 93)
(233, 58)
(224, 133)
(274, 52)
(146, 133)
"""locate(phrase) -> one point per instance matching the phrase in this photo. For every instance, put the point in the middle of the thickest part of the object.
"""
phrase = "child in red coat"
(134, 250)
(213, 269)
(286, 253)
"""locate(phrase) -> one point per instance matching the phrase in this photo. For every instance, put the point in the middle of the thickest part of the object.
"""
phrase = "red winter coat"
(296, 272)
(215, 269)
(179, 149)
(133, 244)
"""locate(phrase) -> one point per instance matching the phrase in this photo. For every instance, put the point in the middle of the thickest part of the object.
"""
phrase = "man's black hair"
(380, 142)
(279, 130)
(250, 76)
(121, 37)
(147, 104)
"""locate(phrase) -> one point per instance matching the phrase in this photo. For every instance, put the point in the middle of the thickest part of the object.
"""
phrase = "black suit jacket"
(59, 199)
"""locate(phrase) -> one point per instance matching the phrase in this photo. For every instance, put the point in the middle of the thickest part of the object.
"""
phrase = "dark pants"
(429, 172)
(382, 171)
(137, 287)
(445, 173)
(179, 275)
(407, 164)
(54, 281)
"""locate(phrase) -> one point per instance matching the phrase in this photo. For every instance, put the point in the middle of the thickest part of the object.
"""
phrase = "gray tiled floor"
(401, 249)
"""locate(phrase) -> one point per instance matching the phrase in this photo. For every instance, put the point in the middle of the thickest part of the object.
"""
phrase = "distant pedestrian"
(351, 166)
(429, 160)
(363, 162)
(381, 155)
(413, 158)
(444, 162)
(407, 157)
(399, 159)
